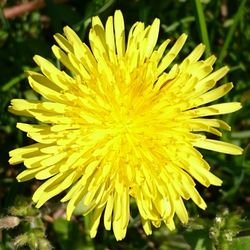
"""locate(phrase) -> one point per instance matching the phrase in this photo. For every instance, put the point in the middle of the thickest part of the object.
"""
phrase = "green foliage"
(224, 26)
(27, 227)
(241, 243)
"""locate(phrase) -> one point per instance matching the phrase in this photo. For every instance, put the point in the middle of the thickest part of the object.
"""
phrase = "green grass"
(224, 27)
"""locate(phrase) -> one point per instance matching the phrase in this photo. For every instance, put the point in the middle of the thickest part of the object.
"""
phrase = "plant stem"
(202, 25)
(230, 33)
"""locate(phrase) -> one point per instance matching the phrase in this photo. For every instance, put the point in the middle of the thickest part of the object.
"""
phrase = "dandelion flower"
(118, 123)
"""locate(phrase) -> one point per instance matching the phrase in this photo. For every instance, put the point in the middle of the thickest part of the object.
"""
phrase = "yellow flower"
(117, 124)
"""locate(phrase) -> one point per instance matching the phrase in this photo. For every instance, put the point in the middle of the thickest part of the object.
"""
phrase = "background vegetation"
(224, 26)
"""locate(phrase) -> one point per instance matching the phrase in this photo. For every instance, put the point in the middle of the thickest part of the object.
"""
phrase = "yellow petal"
(219, 146)
(214, 94)
(170, 56)
(63, 43)
(95, 221)
(216, 109)
(152, 37)
(119, 33)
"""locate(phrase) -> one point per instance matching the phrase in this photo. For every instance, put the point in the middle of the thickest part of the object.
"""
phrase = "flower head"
(117, 123)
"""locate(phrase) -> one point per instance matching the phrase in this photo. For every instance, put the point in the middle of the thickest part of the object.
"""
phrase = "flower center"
(122, 120)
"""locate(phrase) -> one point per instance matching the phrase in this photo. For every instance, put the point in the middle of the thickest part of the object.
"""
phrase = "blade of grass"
(7, 86)
(13, 82)
(201, 22)
(3, 20)
(230, 33)
(87, 226)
